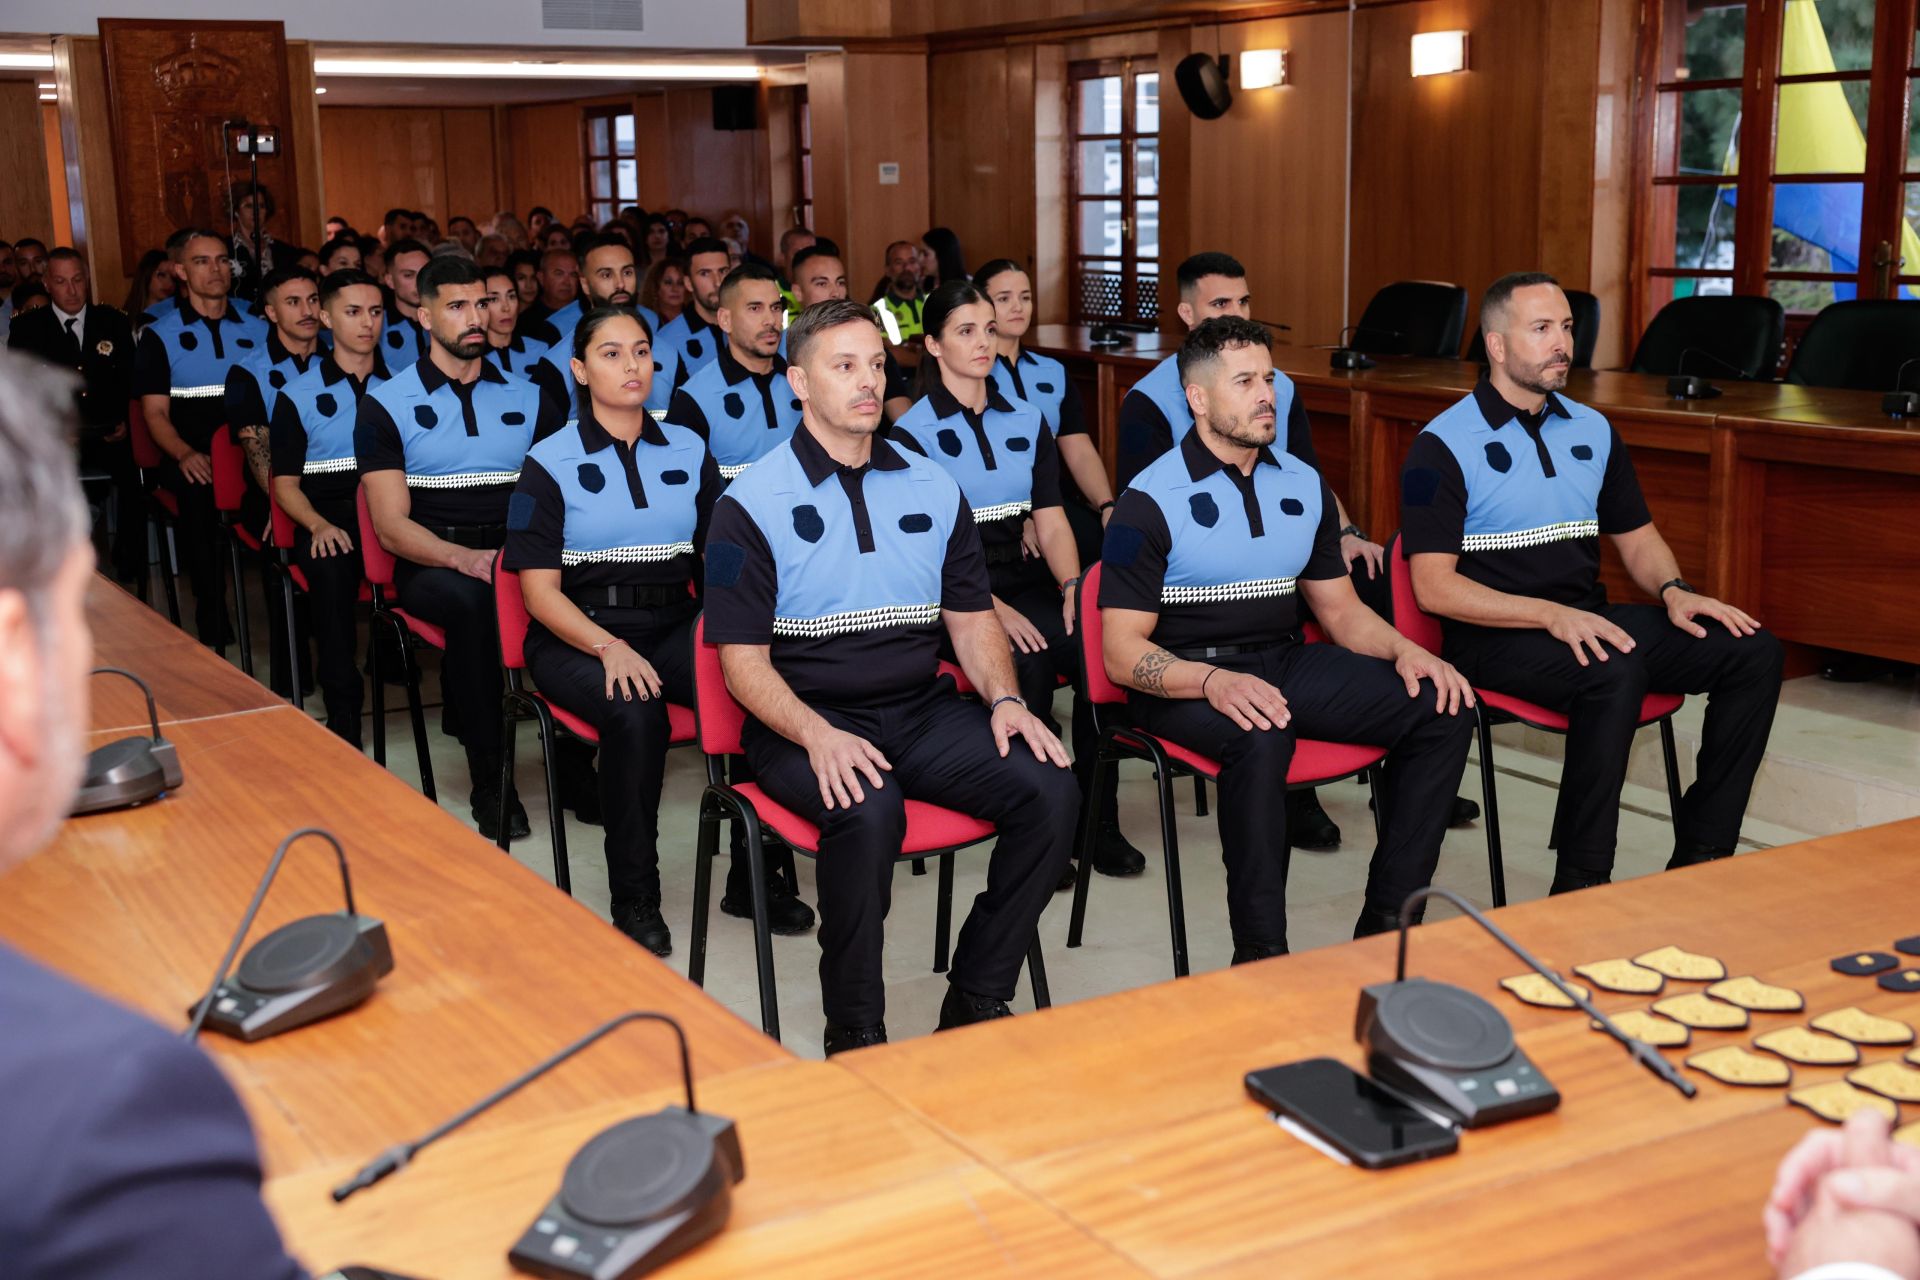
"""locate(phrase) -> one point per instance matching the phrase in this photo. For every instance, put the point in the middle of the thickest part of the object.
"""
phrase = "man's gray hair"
(819, 318)
(42, 511)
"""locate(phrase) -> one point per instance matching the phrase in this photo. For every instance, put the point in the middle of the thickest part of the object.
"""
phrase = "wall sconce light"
(1263, 68)
(1439, 53)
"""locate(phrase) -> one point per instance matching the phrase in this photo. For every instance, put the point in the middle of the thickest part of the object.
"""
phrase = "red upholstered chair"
(932, 831)
(293, 581)
(405, 630)
(229, 494)
(162, 508)
(522, 702)
(1314, 763)
(1421, 627)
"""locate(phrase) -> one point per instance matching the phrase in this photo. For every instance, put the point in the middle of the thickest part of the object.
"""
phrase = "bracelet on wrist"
(1070, 584)
(1211, 673)
(1011, 697)
(1106, 506)
(600, 650)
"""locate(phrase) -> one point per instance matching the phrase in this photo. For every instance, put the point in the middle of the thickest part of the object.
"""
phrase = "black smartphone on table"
(1331, 1106)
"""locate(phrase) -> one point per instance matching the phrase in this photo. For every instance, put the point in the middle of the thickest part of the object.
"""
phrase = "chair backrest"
(229, 471)
(1413, 318)
(719, 717)
(374, 558)
(1586, 331)
(1715, 335)
(146, 454)
(1409, 619)
(1860, 344)
(1101, 690)
(510, 612)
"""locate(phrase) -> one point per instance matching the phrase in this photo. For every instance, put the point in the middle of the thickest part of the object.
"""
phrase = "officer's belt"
(632, 595)
(1001, 553)
(1209, 652)
(481, 537)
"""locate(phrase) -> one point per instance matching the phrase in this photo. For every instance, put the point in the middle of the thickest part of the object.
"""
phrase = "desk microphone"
(1686, 386)
(303, 971)
(1345, 357)
(1445, 1045)
(638, 1195)
(1898, 403)
(130, 771)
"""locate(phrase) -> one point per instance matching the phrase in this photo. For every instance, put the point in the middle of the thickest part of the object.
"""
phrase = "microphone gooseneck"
(253, 909)
(396, 1158)
(1641, 1052)
(1900, 374)
(153, 712)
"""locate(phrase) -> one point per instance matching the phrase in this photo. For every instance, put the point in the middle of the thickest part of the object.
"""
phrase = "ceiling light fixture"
(536, 70)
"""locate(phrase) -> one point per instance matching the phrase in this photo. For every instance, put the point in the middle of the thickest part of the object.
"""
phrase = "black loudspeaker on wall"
(736, 106)
(1203, 85)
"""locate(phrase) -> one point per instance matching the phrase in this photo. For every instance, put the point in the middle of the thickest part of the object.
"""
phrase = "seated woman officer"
(603, 529)
(1002, 453)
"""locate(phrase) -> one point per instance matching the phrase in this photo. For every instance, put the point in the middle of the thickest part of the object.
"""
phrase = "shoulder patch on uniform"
(244, 342)
(725, 563)
(1204, 510)
(658, 367)
(188, 342)
(592, 479)
(1418, 485)
(675, 476)
(1122, 546)
(395, 340)
(1046, 387)
(808, 524)
(1018, 444)
(425, 416)
(520, 509)
(693, 347)
(1292, 507)
(1584, 452)
(796, 404)
(918, 522)
(513, 417)
(732, 405)
(279, 379)
(1497, 456)
(949, 441)
(326, 404)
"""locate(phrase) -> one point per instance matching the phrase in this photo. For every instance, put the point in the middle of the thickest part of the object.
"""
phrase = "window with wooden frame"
(613, 172)
(1780, 152)
(1114, 213)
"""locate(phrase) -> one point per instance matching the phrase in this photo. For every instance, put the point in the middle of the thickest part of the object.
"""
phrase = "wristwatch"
(1681, 583)
(1356, 531)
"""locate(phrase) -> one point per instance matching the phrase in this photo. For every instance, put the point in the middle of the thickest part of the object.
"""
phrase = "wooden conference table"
(1802, 504)
(1104, 1137)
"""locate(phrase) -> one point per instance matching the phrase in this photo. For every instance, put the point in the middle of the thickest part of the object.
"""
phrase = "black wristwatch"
(1681, 583)
(1356, 531)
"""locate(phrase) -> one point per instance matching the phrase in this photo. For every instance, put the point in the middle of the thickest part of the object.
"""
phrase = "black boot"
(1694, 855)
(485, 799)
(786, 914)
(1248, 952)
(1308, 826)
(963, 1009)
(839, 1039)
(1568, 879)
(1383, 919)
(1464, 812)
(1113, 854)
(579, 781)
(640, 919)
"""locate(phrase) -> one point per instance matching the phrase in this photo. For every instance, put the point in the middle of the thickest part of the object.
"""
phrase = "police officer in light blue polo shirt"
(607, 279)
(406, 339)
(834, 567)
(315, 475)
(820, 275)
(180, 375)
(439, 450)
(741, 404)
(693, 337)
(1208, 556)
(508, 351)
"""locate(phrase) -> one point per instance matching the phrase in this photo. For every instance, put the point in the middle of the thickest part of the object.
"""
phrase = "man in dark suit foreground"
(125, 1154)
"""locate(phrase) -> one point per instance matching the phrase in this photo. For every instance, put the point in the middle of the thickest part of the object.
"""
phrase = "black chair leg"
(556, 816)
(169, 573)
(1671, 753)
(509, 735)
(943, 913)
(1176, 903)
(379, 690)
(1199, 796)
(920, 866)
(288, 607)
(1375, 778)
(1496, 863)
(415, 712)
(1083, 873)
(762, 933)
(1037, 975)
(241, 628)
(707, 847)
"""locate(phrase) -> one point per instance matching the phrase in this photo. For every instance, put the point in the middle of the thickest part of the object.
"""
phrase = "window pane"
(1913, 130)
(1703, 229)
(1827, 35)
(1099, 227)
(1806, 295)
(628, 174)
(1816, 226)
(1822, 128)
(601, 173)
(597, 136)
(1662, 289)
(623, 135)
(1146, 102)
(1146, 167)
(1099, 290)
(1099, 168)
(1714, 45)
(1709, 131)
(1146, 229)
(1099, 109)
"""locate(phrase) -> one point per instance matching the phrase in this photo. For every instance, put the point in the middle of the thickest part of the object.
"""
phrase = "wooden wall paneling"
(1052, 170)
(869, 109)
(86, 145)
(548, 162)
(26, 199)
(827, 106)
(1176, 168)
(783, 188)
(653, 150)
(1569, 104)
(1269, 178)
(378, 157)
(502, 160)
(306, 223)
(469, 183)
(779, 21)
(713, 172)
(981, 151)
(1610, 264)
(171, 84)
(56, 174)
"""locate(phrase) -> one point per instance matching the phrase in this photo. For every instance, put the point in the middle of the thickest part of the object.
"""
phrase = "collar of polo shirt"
(736, 373)
(818, 464)
(594, 437)
(946, 405)
(185, 302)
(433, 379)
(1499, 411)
(1203, 462)
(331, 372)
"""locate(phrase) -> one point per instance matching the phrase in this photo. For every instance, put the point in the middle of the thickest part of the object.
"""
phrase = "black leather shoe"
(786, 914)
(963, 1009)
(1308, 826)
(1383, 920)
(839, 1039)
(1568, 879)
(486, 811)
(1694, 857)
(1113, 854)
(641, 920)
(1464, 813)
(1248, 952)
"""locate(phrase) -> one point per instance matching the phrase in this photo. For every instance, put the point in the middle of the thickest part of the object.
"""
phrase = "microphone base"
(1901, 404)
(1512, 1090)
(125, 773)
(343, 978)
(1449, 1050)
(1691, 386)
(1347, 358)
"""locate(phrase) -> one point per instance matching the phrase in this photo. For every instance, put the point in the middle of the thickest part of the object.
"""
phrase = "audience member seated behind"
(126, 1154)
(1845, 1205)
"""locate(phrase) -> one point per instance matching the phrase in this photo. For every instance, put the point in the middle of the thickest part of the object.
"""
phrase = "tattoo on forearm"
(1150, 673)
(259, 455)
